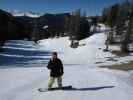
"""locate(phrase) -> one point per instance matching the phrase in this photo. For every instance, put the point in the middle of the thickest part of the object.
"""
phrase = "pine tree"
(111, 20)
(127, 28)
(112, 16)
(74, 23)
(129, 33)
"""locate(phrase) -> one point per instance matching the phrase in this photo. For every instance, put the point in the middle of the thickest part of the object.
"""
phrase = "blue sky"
(91, 7)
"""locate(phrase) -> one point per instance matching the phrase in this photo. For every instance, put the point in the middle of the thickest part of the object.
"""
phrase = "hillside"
(21, 79)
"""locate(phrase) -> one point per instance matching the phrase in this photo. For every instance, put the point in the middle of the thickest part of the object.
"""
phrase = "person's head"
(54, 55)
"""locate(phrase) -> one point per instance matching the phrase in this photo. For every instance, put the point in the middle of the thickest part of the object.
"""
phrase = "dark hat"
(54, 53)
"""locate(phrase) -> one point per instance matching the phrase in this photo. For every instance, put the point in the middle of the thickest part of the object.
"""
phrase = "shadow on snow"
(92, 88)
(15, 54)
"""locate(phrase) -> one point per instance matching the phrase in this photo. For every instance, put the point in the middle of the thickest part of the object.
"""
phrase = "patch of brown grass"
(120, 54)
(125, 66)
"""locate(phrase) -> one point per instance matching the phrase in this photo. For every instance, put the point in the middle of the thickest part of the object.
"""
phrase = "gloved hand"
(62, 73)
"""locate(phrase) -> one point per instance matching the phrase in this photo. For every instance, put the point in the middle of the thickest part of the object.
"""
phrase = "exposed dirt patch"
(124, 66)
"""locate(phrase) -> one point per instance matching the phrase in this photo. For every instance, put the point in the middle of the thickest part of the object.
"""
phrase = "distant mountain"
(28, 14)
(4, 18)
(16, 25)
(10, 28)
(19, 25)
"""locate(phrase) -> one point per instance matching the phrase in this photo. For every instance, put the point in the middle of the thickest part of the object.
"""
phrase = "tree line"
(75, 25)
(119, 17)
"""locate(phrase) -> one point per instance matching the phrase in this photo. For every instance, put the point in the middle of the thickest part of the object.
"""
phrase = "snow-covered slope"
(29, 14)
(90, 52)
(91, 82)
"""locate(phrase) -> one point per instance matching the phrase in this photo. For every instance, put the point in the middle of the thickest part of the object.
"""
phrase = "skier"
(56, 70)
